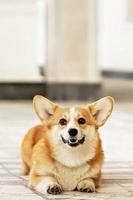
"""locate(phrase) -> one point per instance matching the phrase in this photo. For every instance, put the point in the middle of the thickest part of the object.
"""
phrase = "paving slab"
(117, 136)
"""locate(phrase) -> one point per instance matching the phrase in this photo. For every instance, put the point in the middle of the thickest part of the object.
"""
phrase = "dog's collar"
(73, 144)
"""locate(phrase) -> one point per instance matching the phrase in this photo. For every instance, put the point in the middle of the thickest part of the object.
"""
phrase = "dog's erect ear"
(43, 107)
(101, 109)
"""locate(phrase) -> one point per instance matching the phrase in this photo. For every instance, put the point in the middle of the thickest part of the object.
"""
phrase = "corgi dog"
(65, 152)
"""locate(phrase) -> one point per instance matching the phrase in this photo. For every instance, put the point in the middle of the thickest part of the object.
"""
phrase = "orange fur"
(29, 141)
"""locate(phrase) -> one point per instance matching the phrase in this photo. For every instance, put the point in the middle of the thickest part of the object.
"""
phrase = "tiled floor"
(117, 136)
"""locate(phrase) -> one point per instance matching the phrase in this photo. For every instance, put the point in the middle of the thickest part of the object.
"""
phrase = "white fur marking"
(43, 185)
(72, 124)
(70, 156)
(87, 184)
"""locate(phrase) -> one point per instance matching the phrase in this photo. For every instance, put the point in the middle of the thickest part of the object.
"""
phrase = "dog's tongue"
(73, 140)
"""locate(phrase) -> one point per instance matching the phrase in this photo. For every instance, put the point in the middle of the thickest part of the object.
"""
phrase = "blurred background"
(63, 49)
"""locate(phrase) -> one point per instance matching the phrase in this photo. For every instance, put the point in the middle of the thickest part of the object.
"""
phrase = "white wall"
(18, 41)
(18, 45)
(115, 49)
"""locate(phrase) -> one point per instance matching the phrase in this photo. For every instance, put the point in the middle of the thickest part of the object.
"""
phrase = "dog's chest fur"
(69, 177)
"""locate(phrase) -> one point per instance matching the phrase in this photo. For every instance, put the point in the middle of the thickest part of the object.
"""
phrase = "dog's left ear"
(101, 110)
(44, 107)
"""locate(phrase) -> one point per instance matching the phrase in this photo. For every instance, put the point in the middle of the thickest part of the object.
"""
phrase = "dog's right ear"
(43, 107)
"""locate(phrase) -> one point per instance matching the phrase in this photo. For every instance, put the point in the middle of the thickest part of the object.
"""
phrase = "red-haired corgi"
(65, 152)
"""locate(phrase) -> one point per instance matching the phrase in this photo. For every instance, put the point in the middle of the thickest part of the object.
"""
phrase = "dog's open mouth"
(73, 142)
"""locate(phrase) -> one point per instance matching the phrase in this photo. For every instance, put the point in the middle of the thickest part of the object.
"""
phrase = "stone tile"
(114, 189)
(20, 197)
(16, 190)
(79, 195)
(120, 198)
(2, 171)
(128, 186)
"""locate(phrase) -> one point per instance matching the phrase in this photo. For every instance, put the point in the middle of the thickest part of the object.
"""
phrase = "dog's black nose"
(73, 131)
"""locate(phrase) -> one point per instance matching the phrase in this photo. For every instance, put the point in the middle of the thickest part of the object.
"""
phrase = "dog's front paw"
(86, 185)
(54, 189)
(44, 187)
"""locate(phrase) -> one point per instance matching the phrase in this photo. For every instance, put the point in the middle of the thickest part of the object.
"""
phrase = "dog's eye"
(63, 122)
(81, 120)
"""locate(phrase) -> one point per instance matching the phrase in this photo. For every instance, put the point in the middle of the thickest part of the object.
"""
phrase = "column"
(72, 71)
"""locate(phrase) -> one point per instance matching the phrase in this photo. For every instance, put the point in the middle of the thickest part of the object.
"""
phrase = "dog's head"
(73, 126)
